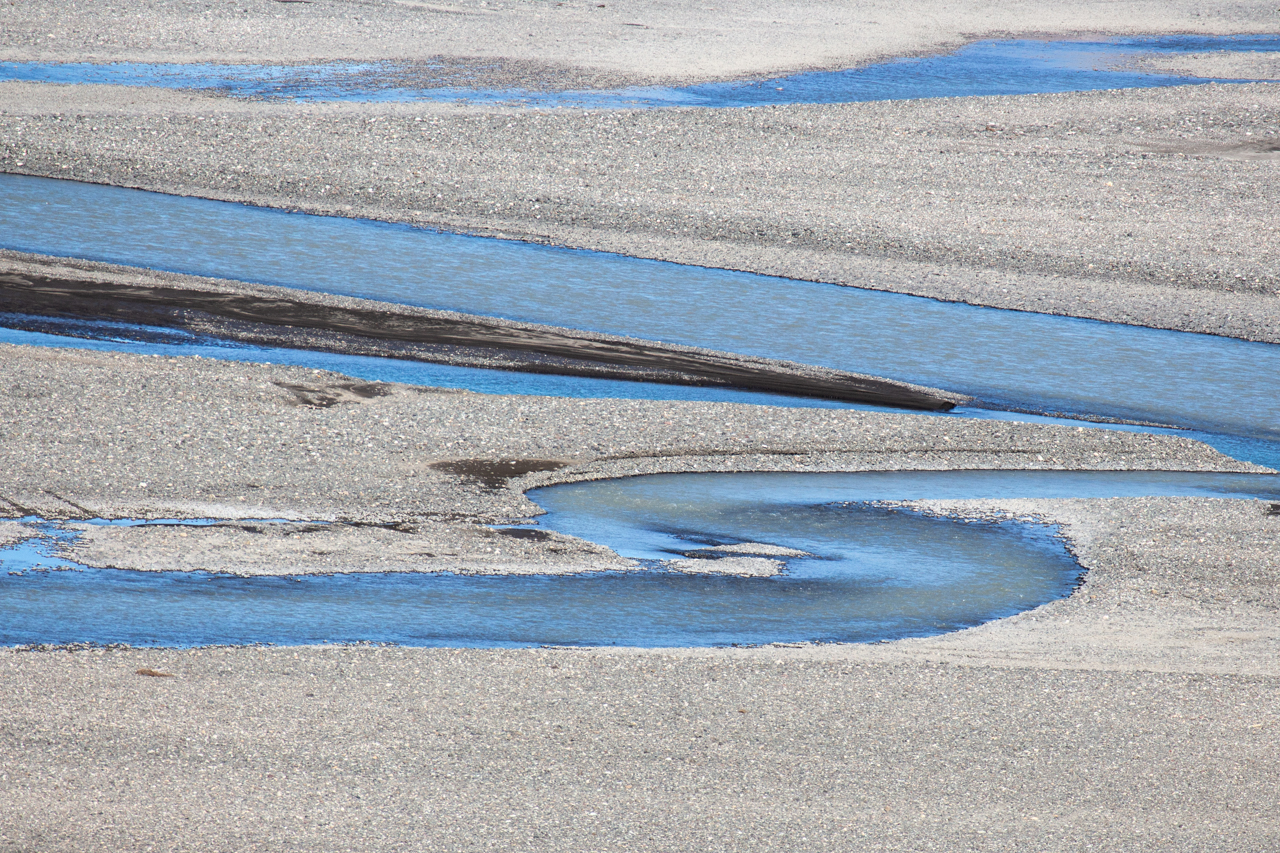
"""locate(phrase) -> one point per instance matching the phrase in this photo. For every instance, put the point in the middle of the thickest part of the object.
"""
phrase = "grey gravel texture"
(1140, 206)
(639, 40)
(87, 434)
(250, 548)
(382, 748)
(11, 533)
(1219, 64)
(1138, 714)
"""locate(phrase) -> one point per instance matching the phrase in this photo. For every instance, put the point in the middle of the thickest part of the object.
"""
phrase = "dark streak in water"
(534, 349)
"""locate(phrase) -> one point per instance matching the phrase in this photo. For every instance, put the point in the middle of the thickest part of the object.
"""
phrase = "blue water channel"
(868, 572)
(1006, 359)
(103, 336)
(661, 516)
(992, 67)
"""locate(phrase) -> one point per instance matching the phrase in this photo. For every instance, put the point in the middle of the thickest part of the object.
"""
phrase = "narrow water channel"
(989, 67)
(665, 516)
(1005, 359)
(854, 571)
(141, 340)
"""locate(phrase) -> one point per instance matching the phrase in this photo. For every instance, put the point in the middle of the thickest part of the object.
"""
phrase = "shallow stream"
(1005, 359)
(855, 571)
(991, 67)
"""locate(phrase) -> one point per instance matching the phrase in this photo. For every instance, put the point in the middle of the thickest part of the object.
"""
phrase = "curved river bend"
(855, 572)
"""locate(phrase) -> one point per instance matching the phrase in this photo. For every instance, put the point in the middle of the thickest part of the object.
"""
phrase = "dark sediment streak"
(473, 342)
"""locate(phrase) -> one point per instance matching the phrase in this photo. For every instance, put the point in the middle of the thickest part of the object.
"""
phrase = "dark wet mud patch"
(494, 474)
(532, 534)
(331, 395)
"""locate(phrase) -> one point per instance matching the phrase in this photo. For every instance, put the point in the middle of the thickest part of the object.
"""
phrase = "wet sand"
(1138, 714)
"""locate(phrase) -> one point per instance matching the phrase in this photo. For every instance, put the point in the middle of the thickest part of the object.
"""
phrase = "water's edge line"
(389, 330)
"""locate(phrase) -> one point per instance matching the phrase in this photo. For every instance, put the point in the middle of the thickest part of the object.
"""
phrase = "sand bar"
(280, 317)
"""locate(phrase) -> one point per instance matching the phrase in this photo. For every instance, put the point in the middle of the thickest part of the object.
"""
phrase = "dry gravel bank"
(1220, 64)
(120, 435)
(588, 43)
(1150, 207)
(1139, 712)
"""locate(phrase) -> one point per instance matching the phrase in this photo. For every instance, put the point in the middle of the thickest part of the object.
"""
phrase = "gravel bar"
(1139, 714)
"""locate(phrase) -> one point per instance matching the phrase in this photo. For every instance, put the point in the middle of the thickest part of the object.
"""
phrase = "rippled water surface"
(659, 516)
(1006, 359)
(1006, 67)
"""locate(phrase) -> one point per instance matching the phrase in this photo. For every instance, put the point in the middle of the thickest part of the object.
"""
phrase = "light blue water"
(971, 574)
(661, 516)
(1006, 359)
(873, 573)
(1008, 67)
(154, 341)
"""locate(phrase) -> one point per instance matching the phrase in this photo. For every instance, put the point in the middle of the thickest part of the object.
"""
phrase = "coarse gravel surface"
(1150, 207)
(590, 43)
(112, 435)
(11, 533)
(1137, 714)
(1217, 64)
(385, 748)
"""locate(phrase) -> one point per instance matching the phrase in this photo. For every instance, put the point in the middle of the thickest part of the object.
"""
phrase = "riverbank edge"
(1195, 299)
(1131, 611)
(466, 495)
(37, 286)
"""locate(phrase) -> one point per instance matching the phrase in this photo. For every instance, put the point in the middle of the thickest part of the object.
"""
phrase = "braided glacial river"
(854, 570)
